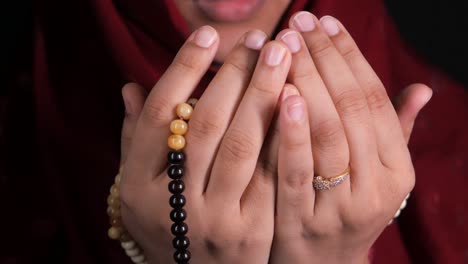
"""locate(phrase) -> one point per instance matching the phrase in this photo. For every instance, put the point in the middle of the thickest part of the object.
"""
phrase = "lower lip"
(228, 10)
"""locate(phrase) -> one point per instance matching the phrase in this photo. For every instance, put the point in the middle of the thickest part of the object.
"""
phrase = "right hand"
(229, 188)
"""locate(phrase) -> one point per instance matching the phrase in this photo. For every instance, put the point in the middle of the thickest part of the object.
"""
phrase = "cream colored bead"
(114, 233)
(192, 102)
(110, 200)
(176, 142)
(128, 245)
(132, 252)
(113, 202)
(113, 212)
(115, 190)
(138, 259)
(184, 111)
(179, 127)
(118, 178)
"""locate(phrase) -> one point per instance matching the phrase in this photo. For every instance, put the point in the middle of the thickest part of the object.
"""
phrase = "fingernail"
(288, 91)
(330, 25)
(291, 39)
(296, 111)
(205, 36)
(304, 21)
(274, 55)
(255, 39)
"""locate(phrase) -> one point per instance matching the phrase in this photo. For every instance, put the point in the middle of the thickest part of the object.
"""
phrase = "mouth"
(228, 10)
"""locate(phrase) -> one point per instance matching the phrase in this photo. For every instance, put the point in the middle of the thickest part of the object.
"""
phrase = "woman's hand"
(230, 196)
(342, 117)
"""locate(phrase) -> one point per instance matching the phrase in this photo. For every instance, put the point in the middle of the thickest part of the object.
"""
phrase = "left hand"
(351, 121)
(347, 119)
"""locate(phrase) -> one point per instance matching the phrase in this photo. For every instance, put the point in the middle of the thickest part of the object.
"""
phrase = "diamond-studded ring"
(321, 183)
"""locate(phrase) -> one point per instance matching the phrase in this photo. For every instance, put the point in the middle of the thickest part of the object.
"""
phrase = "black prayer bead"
(181, 242)
(182, 256)
(178, 215)
(175, 172)
(179, 229)
(176, 186)
(176, 157)
(177, 201)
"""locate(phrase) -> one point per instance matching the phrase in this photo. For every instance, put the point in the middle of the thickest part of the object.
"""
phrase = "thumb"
(409, 103)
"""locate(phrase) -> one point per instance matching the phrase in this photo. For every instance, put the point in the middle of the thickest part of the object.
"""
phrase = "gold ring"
(321, 183)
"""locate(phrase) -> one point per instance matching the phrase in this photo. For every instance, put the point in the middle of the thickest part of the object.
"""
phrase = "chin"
(229, 11)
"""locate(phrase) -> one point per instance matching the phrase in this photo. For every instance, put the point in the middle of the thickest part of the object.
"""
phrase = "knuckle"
(236, 64)
(265, 87)
(313, 230)
(206, 127)
(295, 143)
(221, 240)
(214, 244)
(300, 76)
(237, 146)
(377, 98)
(297, 178)
(305, 73)
(156, 112)
(349, 50)
(350, 103)
(187, 63)
(320, 47)
(328, 134)
(218, 236)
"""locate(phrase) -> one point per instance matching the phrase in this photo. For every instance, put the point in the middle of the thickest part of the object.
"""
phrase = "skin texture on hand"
(350, 121)
(335, 112)
(225, 138)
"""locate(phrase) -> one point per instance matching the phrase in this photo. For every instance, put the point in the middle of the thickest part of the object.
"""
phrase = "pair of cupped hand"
(276, 113)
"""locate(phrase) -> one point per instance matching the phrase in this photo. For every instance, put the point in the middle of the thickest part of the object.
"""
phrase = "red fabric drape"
(62, 137)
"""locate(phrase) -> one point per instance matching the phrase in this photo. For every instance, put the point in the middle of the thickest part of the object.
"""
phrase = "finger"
(328, 137)
(346, 94)
(295, 162)
(241, 144)
(389, 136)
(408, 105)
(216, 108)
(134, 97)
(267, 164)
(174, 87)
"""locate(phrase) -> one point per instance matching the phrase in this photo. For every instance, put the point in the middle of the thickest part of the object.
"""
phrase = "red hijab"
(63, 142)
